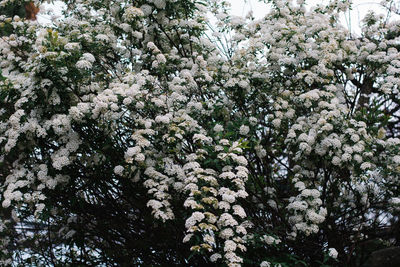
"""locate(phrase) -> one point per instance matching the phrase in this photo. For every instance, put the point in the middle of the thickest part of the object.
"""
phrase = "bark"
(31, 10)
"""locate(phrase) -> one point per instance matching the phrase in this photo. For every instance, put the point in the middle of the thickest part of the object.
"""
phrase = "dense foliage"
(171, 133)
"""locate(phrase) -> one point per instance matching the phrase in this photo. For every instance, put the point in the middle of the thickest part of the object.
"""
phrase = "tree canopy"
(172, 133)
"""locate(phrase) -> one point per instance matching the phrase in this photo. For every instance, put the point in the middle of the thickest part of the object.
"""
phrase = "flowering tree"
(169, 132)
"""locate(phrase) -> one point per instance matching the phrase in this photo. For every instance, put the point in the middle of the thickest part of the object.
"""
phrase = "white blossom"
(218, 128)
(332, 253)
(244, 130)
(118, 170)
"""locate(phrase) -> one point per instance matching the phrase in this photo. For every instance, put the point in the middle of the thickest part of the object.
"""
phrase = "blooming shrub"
(169, 132)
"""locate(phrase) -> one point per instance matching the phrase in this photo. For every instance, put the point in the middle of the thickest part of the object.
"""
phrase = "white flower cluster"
(220, 199)
(307, 211)
(131, 12)
(332, 253)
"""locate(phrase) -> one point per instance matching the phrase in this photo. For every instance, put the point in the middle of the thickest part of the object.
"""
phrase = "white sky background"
(242, 7)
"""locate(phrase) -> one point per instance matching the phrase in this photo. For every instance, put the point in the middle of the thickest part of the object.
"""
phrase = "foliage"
(171, 133)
